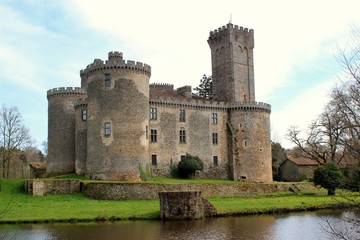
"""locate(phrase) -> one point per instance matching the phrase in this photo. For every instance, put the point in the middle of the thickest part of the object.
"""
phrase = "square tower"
(232, 64)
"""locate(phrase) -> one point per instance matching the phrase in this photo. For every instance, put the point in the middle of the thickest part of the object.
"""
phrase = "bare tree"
(346, 97)
(14, 136)
(322, 140)
(336, 132)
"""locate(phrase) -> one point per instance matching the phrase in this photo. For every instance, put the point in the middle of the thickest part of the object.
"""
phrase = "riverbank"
(18, 207)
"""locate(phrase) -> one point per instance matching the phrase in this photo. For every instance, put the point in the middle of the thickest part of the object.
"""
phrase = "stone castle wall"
(232, 63)
(123, 103)
(116, 139)
(147, 191)
(251, 155)
(198, 128)
(80, 136)
(61, 125)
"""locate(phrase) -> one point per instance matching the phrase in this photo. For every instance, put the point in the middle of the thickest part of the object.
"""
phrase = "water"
(277, 227)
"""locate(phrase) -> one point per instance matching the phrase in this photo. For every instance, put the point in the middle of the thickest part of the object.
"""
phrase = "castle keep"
(117, 124)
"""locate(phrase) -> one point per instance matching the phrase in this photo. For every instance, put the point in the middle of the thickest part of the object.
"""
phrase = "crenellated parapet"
(81, 103)
(235, 32)
(65, 90)
(163, 87)
(115, 56)
(250, 106)
(115, 61)
(188, 103)
(225, 29)
(208, 104)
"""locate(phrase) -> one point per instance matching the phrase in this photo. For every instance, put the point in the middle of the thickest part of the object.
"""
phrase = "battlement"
(65, 90)
(250, 106)
(229, 27)
(163, 87)
(115, 60)
(185, 91)
(81, 103)
(115, 55)
(189, 103)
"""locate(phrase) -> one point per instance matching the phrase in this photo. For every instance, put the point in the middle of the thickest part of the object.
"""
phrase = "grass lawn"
(17, 206)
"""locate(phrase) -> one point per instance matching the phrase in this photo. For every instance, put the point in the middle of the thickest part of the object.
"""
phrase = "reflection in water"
(294, 226)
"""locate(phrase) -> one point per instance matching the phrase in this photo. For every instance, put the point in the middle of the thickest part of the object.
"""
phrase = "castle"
(117, 124)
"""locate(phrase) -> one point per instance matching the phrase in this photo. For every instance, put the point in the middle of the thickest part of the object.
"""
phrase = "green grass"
(274, 204)
(17, 206)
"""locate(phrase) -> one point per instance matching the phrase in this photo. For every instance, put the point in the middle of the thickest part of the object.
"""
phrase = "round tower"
(80, 136)
(118, 116)
(248, 121)
(61, 129)
(249, 130)
(232, 63)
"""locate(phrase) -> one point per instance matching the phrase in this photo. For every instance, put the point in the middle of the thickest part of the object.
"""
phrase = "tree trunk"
(331, 191)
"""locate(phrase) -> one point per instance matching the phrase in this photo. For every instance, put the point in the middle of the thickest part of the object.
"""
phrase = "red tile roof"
(303, 161)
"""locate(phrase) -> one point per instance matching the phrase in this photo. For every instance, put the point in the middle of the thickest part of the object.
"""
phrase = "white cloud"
(301, 110)
(290, 37)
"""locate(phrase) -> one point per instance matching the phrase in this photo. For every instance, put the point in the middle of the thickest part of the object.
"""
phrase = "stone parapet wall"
(184, 205)
(65, 90)
(148, 191)
(51, 187)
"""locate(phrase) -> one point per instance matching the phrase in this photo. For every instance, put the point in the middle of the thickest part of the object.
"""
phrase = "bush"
(352, 177)
(328, 176)
(188, 166)
(174, 172)
(145, 174)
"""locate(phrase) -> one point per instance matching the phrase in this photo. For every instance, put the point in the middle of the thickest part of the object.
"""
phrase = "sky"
(44, 44)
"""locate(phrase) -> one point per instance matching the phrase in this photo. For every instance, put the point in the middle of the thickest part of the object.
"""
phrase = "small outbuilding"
(295, 169)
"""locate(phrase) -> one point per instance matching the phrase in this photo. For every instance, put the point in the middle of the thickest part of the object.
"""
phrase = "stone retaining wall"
(147, 191)
(51, 187)
(184, 205)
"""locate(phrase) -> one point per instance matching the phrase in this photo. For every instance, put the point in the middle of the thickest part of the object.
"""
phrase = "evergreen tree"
(328, 176)
(205, 87)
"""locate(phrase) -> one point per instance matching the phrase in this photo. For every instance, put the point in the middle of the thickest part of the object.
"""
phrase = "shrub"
(352, 177)
(328, 176)
(145, 174)
(174, 172)
(188, 166)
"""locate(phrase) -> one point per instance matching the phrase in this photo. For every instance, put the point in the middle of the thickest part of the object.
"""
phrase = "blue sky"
(44, 44)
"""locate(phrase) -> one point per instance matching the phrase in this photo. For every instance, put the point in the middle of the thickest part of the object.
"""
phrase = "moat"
(308, 225)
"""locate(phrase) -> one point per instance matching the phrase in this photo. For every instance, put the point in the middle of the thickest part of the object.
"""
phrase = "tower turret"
(232, 63)
(118, 118)
(61, 129)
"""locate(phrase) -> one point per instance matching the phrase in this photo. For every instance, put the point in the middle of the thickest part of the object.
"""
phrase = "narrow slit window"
(153, 160)
(182, 115)
(107, 80)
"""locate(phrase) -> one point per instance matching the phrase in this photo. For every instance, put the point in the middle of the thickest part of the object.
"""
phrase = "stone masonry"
(117, 125)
